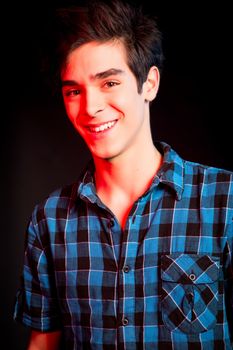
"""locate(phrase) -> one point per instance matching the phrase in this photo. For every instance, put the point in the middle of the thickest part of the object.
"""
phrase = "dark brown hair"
(105, 21)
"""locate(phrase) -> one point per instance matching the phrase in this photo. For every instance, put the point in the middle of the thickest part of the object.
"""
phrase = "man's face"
(102, 101)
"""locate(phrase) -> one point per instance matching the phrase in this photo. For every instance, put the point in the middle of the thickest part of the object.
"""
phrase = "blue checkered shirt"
(165, 282)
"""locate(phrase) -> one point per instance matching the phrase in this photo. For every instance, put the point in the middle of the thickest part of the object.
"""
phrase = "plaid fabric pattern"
(190, 292)
(165, 282)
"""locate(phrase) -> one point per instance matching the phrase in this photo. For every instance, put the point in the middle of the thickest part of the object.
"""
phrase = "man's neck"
(121, 181)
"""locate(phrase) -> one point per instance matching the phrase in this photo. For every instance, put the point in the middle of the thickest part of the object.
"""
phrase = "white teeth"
(102, 127)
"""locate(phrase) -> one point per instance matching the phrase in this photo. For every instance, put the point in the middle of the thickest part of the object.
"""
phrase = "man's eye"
(73, 92)
(110, 84)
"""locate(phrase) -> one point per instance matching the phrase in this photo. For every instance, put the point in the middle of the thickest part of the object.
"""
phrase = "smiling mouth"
(102, 127)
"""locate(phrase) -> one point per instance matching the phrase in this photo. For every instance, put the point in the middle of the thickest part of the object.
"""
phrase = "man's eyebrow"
(107, 73)
(100, 75)
(68, 83)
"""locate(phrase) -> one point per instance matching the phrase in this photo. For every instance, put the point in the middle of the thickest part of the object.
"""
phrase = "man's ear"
(151, 84)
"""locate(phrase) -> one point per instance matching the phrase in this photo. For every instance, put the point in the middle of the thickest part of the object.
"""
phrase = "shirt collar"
(86, 188)
(171, 174)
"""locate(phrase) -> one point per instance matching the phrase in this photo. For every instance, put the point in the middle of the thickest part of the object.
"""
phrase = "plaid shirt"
(165, 282)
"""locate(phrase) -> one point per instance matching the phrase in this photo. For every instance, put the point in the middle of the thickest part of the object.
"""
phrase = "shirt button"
(125, 321)
(192, 276)
(126, 269)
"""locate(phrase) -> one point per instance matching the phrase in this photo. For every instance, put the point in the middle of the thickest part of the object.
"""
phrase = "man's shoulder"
(57, 204)
(214, 185)
(65, 192)
(208, 173)
(60, 202)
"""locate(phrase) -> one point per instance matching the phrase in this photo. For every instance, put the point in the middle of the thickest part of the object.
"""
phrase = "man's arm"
(44, 341)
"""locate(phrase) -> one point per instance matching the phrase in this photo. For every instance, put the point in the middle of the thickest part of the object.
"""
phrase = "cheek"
(76, 124)
(127, 99)
(72, 111)
(120, 102)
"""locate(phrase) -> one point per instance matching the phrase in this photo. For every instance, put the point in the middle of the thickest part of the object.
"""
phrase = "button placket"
(126, 269)
(125, 321)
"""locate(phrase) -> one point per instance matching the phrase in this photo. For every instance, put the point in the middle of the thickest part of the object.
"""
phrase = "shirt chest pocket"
(189, 292)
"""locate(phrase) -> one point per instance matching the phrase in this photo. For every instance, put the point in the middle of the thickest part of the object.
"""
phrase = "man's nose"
(94, 102)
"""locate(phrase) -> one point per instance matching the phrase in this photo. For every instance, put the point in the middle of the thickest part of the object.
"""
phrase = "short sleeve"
(36, 303)
(228, 276)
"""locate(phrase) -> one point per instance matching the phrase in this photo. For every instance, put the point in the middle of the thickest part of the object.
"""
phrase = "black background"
(40, 149)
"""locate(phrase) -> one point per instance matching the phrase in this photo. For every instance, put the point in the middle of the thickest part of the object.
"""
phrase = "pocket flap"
(189, 268)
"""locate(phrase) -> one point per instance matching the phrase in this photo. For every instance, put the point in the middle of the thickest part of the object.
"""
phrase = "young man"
(138, 253)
